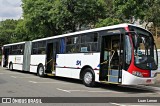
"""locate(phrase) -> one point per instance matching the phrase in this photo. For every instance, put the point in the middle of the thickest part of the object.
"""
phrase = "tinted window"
(17, 49)
(82, 43)
(39, 47)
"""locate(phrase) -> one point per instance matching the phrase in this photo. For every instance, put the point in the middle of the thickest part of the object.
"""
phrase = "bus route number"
(78, 62)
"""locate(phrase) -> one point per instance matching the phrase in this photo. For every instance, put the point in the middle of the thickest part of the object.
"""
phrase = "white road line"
(48, 82)
(32, 81)
(27, 77)
(104, 91)
(63, 90)
(118, 104)
(142, 105)
(13, 76)
(90, 91)
(9, 73)
(78, 90)
(23, 77)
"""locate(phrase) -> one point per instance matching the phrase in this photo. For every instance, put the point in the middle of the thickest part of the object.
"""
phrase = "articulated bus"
(120, 54)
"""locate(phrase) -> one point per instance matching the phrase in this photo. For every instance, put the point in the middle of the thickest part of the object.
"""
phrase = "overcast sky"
(10, 9)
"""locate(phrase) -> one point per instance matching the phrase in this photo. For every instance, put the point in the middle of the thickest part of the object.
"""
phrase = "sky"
(10, 9)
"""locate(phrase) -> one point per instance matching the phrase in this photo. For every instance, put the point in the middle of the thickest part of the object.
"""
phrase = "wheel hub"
(40, 71)
(88, 77)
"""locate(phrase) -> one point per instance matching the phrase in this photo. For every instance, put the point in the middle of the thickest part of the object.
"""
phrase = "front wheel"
(40, 70)
(88, 78)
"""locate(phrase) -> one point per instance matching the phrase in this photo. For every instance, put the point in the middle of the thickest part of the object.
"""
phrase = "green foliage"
(21, 32)
(126, 9)
(7, 31)
(152, 13)
(37, 18)
(107, 22)
(44, 18)
(146, 10)
(48, 18)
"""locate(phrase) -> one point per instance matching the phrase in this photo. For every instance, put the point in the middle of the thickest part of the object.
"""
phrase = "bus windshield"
(145, 54)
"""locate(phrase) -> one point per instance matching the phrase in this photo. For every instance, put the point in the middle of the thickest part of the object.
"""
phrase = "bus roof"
(14, 44)
(79, 32)
(85, 31)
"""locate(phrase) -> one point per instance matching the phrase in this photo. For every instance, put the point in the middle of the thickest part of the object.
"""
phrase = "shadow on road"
(113, 87)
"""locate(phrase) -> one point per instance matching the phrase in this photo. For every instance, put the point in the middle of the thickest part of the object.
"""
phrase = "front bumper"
(129, 79)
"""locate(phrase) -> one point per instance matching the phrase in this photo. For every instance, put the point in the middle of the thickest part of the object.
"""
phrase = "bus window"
(72, 44)
(89, 42)
(39, 47)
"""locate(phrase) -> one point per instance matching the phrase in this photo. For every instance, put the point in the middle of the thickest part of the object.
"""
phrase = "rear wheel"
(11, 66)
(40, 70)
(88, 78)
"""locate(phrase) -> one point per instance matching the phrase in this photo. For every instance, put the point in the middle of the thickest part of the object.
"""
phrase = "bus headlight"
(138, 74)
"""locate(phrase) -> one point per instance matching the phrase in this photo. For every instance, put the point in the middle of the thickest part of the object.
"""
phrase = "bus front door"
(110, 65)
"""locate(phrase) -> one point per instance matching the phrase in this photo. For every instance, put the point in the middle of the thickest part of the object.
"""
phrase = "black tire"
(40, 71)
(11, 66)
(88, 78)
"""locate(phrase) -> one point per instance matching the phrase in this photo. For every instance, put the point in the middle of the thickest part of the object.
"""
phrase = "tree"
(21, 32)
(111, 17)
(152, 13)
(7, 31)
(51, 17)
(146, 10)
(107, 22)
(37, 20)
(130, 9)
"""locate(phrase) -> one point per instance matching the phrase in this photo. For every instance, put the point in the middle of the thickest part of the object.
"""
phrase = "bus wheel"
(11, 66)
(40, 70)
(88, 78)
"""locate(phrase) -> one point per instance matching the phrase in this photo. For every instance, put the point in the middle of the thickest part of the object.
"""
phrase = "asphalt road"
(23, 84)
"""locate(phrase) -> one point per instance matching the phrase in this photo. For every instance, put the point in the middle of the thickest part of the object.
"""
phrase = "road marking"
(32, 81)
(48, 82)
(142, 105)
(118, 104)
(90, 91)
(9, 73)
(13, 76)
(104, 91)
(23, 77)
(63, 90)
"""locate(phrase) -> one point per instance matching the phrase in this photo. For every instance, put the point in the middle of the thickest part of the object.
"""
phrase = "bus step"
(106, 82)
(113, 79)
(51, 74)
(113, 72)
